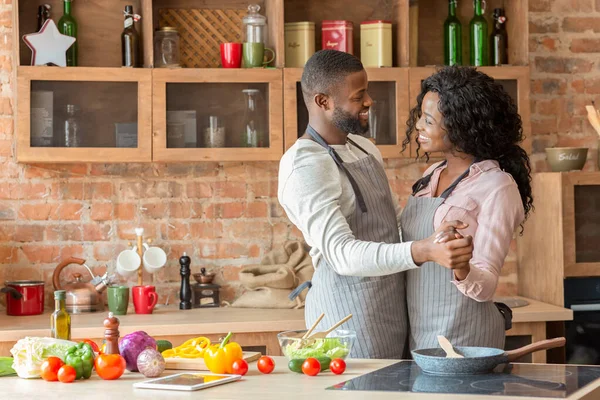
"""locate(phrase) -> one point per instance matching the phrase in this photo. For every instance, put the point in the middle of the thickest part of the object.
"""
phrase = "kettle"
(81, 296)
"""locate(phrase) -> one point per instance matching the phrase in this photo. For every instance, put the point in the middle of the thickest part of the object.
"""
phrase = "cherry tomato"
(93, 344)
(265, 364)
(110, 366)
(50, 369)
(66, 374)
(337, 366)
(311, 366)
(240, 367)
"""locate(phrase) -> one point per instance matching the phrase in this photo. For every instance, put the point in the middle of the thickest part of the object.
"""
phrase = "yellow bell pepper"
(192, 348)
(219, 358)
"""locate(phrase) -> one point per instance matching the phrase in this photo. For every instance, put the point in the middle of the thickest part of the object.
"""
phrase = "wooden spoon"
(312, 328)
(447, 346)
(320, 335)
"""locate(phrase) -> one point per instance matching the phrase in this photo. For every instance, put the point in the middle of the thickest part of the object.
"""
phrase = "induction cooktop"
(532, 380)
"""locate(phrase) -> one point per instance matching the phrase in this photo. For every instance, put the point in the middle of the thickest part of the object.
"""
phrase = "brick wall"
(225, 215)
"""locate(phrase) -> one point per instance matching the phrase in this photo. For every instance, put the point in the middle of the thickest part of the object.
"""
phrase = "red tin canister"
(337, 35)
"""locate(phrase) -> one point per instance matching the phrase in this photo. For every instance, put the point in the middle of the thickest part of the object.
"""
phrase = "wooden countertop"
(213, 321)
(281, 384)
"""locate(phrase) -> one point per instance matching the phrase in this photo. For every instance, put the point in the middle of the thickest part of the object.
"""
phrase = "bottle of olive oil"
(60, 321)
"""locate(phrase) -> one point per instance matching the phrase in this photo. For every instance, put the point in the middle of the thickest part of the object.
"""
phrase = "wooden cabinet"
(83, 114)
(561, 237)
(105, 91)
(219, 101)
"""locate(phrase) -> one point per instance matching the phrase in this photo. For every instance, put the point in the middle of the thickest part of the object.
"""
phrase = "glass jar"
(214, 134)
(255, 26)
(166, 48)
(254, 124)
(72, 131)
(175, 135)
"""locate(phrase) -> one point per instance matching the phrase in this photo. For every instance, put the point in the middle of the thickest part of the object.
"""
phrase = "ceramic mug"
(254, 55)
(154, 259)
(231, 55)
(144, 299)
(128, 262)
(118, 299)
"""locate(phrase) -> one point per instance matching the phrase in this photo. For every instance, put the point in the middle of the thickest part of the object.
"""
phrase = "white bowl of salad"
(337, 344)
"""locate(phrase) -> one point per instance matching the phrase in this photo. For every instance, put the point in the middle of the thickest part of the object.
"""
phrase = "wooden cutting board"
(198, 363)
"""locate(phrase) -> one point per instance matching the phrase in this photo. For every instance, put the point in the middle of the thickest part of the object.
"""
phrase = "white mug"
(154, 259)
(128, 262)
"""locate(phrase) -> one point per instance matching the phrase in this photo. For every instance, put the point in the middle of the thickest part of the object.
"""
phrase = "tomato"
(240, 367)
(67, 374)
(50, 369)
(311, 366)
(337, 366)
(110, 366)
(265, 364)
(93, 344)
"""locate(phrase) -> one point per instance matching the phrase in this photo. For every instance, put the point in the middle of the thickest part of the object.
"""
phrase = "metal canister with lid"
(337, 35)
(299, 43)
(376, 43)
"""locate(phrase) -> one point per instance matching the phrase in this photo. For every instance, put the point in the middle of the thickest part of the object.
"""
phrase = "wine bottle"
(479, 40)
(43, 15)
(499, 39)
(130, 41)
(452, 37)
(67, 25)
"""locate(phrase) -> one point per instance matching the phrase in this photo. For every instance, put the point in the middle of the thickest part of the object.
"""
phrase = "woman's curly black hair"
(480, 119)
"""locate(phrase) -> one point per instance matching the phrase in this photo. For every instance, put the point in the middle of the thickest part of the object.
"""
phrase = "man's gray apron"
(435, 305)
(378, 304)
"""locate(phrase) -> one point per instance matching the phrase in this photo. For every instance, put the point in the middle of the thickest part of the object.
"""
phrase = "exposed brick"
(206, 230)
(7, 212)
(581, 24)
(29, 233)
(540, 5)
(104, 251)
(234, 190)
(586, 45)
(543, 25)
(561, 65)
(257, 209)
(101, 211)
(231, 272)
(38, 212)
(243, 230)
(69, 211)
(195, 190)
(564, 6)
(74, 250)
(155, 210)
(41, 253)
(67, 190)
(8, 254)
(178, 230)
(96, 232)
(163, 190)
(180, 209)
(592, 86)
(263, 189)
(64, 232)
(132, 190)
(98, 190)
(578, 85)
(125, 211)
(7, 232)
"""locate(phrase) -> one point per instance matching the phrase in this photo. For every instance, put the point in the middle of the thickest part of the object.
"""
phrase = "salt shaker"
(185, 294)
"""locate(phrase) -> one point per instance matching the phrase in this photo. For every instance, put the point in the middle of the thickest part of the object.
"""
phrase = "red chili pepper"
(93, 344)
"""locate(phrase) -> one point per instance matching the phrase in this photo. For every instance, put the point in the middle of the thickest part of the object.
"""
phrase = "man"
(333, 187)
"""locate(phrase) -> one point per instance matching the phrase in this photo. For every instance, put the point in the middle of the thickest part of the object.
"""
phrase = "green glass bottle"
(478, 29)
(452, 36)
(67, 25)
(60, 320)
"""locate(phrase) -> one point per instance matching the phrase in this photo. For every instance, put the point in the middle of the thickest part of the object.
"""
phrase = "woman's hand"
(446, 247)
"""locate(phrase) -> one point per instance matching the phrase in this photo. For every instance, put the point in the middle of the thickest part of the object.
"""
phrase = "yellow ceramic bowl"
(566, 158)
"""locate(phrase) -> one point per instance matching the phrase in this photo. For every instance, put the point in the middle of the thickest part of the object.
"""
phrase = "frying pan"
(477, 360)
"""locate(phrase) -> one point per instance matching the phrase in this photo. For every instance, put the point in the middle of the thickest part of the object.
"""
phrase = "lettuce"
(30, 353)
(331, 347)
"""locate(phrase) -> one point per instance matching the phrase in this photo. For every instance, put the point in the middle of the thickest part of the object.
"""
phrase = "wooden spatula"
(447, 346)
(320, 335)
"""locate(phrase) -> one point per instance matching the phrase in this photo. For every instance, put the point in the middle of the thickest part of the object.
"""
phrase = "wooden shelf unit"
(416, 41)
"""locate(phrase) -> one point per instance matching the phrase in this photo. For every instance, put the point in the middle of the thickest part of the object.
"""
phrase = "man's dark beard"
(348, 123)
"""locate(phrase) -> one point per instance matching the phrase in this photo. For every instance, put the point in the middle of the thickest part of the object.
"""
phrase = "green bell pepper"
(81, 357)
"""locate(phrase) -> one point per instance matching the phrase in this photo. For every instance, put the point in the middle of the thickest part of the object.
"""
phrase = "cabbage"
(131, 345)
(331, 347)
(30, 353)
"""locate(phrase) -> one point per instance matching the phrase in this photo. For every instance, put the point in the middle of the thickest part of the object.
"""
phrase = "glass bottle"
(452, 36)
(253, 123)
(255, 25)
(499, 39)
(67, 25)
(478, 30)
(43, 15)
(130, 41)
(72, 131)
(60, 320)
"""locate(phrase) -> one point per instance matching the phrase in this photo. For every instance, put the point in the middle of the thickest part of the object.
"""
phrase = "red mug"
(144, 299)
(231, 55)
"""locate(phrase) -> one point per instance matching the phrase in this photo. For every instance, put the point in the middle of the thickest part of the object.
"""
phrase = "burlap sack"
(267, 298)
(272, 276)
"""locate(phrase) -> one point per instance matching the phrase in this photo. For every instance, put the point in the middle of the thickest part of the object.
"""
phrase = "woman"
(484, 181)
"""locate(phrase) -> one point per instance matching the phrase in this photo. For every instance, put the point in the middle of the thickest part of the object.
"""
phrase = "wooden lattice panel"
(201, 32)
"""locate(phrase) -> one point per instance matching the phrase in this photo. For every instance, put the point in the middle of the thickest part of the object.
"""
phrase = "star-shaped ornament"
(49, 45)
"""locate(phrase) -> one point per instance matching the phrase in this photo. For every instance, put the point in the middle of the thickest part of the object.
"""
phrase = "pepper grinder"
(185, 294)
(111, 334)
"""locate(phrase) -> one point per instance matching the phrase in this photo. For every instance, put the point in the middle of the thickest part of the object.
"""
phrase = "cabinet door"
(83, 115)
(217, 115)
(388, 87)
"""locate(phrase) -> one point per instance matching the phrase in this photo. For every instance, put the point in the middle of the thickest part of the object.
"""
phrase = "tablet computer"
(187, 381)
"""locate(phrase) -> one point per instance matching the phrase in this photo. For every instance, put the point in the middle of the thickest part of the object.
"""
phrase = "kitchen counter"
(281, 384)
(253, 327)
